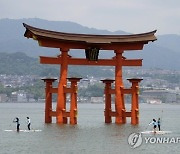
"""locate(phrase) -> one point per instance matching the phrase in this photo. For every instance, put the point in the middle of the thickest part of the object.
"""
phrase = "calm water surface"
(91, 135)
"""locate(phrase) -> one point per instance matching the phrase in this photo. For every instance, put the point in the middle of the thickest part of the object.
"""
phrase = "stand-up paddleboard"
(157, 132)
(33, 130)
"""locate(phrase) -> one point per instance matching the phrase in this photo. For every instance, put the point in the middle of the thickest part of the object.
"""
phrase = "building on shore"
(3, 98)
(158, 96)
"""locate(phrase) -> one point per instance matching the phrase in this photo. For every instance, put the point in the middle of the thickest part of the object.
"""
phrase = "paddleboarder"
(159, 124)
(17, 122)
(28, 123)
(154, 123)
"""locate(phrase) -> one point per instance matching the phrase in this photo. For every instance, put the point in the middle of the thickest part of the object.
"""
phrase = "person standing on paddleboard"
(154, 123)
(17, 122)
(159, 124)
(28, 123)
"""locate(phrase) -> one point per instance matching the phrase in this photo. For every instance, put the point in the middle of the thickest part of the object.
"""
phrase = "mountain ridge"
(162, 53)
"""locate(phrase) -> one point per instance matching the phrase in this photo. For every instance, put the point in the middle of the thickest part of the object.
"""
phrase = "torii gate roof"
(55, 39)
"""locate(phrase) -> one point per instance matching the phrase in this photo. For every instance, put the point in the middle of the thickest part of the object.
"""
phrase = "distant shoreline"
(82, 103)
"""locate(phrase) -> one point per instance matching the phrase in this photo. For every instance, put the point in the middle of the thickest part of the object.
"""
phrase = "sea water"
(90, 135)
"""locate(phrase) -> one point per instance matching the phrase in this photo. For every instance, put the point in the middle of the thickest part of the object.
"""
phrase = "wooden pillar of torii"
(92, 44)
(61, 113)
(133, 91)
(48, 99)
(61, 99)
(119, 104)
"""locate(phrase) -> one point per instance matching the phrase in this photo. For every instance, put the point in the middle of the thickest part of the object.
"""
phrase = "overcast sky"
(135, 16)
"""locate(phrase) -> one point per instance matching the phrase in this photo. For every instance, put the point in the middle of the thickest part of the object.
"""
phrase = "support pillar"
(135, 102)
(123, 106)
(73, 105)
(118, 83)
(61, 101)
(48, 99)
(107, 93)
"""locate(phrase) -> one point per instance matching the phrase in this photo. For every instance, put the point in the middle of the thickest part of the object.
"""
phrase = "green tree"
(92, 91)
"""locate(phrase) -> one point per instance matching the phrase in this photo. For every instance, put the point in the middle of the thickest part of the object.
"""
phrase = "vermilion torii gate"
(92, 44)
